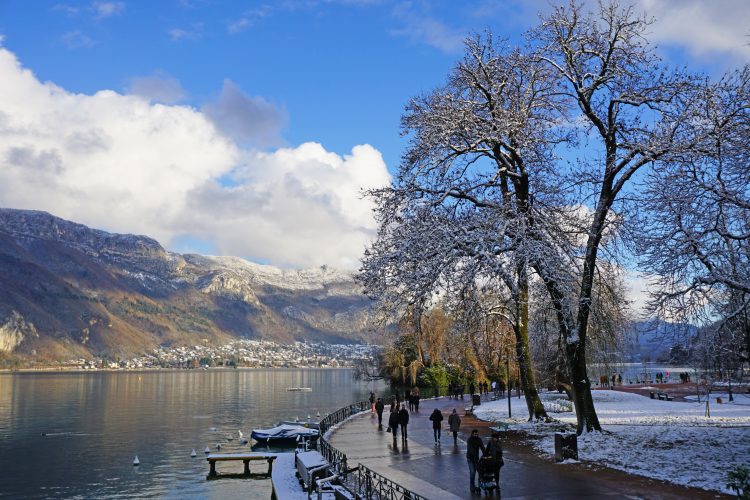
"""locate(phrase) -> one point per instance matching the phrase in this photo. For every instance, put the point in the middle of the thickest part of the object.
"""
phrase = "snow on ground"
(673, 441)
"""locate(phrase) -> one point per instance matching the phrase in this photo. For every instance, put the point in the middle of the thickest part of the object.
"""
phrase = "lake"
(638, 372)
(74, 435)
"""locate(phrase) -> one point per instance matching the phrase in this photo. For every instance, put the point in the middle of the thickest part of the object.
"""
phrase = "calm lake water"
(95, 423)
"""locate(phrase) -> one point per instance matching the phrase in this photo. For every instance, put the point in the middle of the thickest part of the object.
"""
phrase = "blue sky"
(340, 72)
(250, 128)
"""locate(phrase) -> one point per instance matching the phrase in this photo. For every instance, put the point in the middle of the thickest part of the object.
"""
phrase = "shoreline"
(60, 369)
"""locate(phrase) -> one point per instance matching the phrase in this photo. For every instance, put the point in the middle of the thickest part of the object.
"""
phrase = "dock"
(284, 481)
(246, 458)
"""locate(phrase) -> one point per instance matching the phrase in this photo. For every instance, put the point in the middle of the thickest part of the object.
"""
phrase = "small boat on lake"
(284, 435)
(309, 424)
(299, 389)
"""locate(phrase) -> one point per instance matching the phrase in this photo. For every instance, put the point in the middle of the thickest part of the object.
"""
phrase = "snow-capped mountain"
(67, 290)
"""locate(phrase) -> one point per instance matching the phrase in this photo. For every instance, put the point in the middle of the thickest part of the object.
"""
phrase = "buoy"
(136, 461)
(206, 451)
(229, 437)
(193, 454)
(318, 415)
(308, 418)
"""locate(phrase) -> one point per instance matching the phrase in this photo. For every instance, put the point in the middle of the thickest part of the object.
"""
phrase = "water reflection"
(74, 435)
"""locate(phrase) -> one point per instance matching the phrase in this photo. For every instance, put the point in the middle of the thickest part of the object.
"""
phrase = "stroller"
(486, 468)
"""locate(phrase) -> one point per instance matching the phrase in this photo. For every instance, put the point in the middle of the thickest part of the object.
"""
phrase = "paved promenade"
(440, 472)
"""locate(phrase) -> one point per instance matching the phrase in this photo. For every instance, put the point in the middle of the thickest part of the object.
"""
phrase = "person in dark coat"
(416, 400)
(494, 450)
(393, 424)
(403, 420)
(379, 407)
(472, 387)
(473, 445)
(454, 422)
(437, 418)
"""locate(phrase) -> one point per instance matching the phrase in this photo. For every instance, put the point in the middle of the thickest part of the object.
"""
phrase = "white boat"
(299, 389)
(284, 435)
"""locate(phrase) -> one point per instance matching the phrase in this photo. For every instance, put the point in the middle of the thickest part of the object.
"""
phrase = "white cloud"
(244, 118)
(294, 206)
(248, 19)
(420, 27)
(638, 289)
(121, 163)
(159, 87)
(195, 32)
(719, 27)
(76, 39)
(107, 9)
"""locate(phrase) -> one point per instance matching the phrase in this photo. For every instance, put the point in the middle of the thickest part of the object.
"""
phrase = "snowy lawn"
(673, 441)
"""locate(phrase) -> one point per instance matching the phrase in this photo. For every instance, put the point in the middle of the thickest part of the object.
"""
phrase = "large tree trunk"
(523, 352)
(584, 404)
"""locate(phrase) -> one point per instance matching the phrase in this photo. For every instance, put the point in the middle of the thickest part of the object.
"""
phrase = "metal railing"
(369, 484)
(373, 486)
(342, 414)
(333, 456)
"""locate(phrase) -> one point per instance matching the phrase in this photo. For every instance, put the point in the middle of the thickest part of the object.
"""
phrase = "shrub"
(738, 480)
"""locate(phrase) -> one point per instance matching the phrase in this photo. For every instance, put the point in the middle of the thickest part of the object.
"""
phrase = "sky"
(251, 128)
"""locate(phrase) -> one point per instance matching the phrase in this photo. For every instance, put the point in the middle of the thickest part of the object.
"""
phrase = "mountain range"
(69, 291)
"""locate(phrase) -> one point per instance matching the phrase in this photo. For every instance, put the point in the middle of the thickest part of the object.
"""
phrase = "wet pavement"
(441, 472)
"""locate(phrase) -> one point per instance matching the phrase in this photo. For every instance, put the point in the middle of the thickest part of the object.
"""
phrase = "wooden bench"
(245, 457)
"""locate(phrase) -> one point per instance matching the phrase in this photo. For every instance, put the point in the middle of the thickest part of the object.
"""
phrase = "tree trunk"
(523, 352)
(584, 403)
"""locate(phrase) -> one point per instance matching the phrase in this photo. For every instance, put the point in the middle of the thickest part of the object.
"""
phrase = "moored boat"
(284, 435)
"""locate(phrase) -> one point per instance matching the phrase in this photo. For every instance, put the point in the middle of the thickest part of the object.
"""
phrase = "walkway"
(440, 472)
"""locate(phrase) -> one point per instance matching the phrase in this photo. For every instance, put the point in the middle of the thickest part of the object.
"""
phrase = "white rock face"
(14, 330)
(334, 281)
(229, 284)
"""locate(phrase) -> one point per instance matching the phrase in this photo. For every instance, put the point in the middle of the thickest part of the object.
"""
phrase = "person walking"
(416, 400)
(473, 445)
(403, 421)
(472, 387)
(437, 418)
(454, 422)
(379, 407)
(494, 450)
(372, 401)
(393, 423)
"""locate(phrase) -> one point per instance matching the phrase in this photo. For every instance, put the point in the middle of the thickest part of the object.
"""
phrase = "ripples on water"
(95, 423)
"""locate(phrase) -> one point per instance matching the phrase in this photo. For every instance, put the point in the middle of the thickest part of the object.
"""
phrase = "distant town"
(240, 353)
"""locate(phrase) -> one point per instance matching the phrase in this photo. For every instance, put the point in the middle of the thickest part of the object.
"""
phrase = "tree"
(697, 219)
(505, 156)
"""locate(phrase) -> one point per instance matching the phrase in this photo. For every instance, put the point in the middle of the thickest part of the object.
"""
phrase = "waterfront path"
(440, 472)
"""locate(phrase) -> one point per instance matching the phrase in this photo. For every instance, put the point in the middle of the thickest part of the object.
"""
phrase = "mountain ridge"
(70, 290)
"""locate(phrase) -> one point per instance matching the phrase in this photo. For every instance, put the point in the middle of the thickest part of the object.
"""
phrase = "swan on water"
(206, 451)
(243, 439)
(193, 454)
(136, 461)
